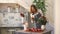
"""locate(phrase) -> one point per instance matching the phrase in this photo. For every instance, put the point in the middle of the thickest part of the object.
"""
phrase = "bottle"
(25, 26)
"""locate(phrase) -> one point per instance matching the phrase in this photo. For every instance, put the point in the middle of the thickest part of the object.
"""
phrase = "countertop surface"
(22, 31)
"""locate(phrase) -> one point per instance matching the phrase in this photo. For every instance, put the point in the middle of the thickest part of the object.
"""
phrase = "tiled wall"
(12, 18)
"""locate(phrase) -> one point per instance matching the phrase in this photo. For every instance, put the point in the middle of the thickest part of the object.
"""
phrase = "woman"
(35, 15)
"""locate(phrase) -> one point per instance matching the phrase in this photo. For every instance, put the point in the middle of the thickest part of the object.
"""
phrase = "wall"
(50, 11)
(7, 1)
(25, 3)
(57, 16)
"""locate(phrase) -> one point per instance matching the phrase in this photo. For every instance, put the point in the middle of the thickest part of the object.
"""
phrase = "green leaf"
(40, 4)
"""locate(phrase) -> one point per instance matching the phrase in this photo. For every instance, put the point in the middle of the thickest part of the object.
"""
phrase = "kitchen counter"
(24, 32)
(7, 30)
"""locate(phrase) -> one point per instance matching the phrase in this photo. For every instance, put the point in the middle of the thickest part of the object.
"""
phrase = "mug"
(42, 27)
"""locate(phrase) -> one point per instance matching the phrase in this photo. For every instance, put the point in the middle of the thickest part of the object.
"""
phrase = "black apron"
(35, 24)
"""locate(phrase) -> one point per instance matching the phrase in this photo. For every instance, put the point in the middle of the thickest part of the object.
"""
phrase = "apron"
(36, 17)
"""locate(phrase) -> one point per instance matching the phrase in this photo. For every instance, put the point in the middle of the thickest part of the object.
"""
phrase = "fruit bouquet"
(34, 30)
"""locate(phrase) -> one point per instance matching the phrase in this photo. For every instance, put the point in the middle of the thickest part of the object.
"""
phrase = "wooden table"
(24, 32)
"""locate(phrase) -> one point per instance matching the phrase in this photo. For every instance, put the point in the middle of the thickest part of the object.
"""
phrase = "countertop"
(24, 32)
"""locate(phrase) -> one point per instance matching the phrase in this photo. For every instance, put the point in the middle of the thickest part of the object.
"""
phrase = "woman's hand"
(32, 17)
(25, 23)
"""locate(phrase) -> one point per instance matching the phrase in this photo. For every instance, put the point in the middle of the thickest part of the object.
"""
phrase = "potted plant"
(40, 4)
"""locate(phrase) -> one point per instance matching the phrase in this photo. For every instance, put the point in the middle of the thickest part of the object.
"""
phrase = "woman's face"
(32, 9)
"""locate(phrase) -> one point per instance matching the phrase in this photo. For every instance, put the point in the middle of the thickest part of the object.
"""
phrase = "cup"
(42, 27)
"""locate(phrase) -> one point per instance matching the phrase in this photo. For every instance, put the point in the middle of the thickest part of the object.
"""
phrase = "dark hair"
(34, 7)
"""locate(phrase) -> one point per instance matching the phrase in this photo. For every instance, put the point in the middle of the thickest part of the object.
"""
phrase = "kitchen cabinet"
(9, 30)
(4, 31)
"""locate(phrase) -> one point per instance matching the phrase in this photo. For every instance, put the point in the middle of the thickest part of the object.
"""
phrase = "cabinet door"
(4, 31)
